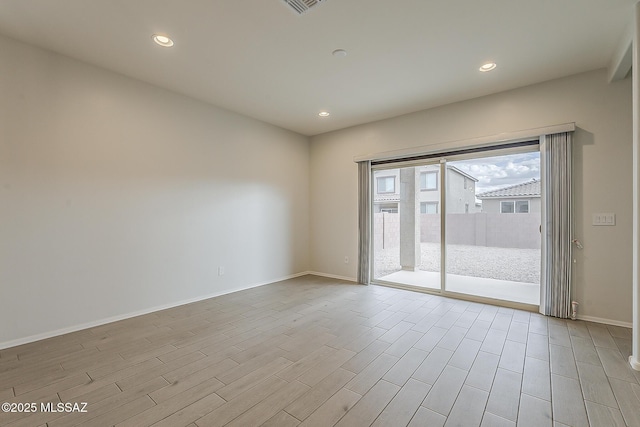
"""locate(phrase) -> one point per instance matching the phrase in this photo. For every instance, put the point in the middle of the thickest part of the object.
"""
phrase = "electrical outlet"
(220, 271)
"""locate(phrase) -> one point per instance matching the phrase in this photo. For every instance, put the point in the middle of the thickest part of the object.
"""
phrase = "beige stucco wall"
(118, 197)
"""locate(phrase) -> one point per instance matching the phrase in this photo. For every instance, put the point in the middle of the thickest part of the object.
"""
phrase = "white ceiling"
(260, 59)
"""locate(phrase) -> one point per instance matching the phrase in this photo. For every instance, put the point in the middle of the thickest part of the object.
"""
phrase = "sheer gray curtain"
(364, 221)
(555, 292)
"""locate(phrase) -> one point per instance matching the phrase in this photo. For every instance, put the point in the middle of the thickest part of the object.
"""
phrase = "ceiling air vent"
(302, 6)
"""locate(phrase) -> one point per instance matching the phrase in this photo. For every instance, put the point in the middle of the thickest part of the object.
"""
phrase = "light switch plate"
(604, 219)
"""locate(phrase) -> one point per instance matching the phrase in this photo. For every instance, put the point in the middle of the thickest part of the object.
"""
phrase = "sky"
(498, 172)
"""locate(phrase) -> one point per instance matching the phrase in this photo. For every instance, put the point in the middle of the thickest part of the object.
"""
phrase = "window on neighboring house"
(518, 206)
(465, 182)
(386, 184)
(429, 181)
(506, 207)
(466, 207)
(429, 207)
(522, 206)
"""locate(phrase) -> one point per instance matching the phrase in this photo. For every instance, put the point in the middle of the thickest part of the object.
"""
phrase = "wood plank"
(251, 365)
(559, 335)
(538, 324)
(483, 371)
(467, 319)
(568, 405)
(430, 339)
(452, 339)
(601, 336)
(176, 404)
(112, 403)
(600, 415)
(330, 412)
(236, 407)
(217, 363)
(492, 420)
(628, 397)
(504, 398)
(595, 385)
(94, 396)
(7, 394)
(404, 405)
(393, 334)
(537, 346)
(325, 367)
(427, 418)
(370, 375)
(302, 407)
(191, 412)
(501, 322)
(360, 361)
(124, 412)
(534, 412)
(185, 383)
(468, 408)
(281, 419)
(445, 391)
(518, 332)
(536, 380)
(429, 371)
(585, 351)
(148, 374)
(308, 362)
(562, 361)
(478, 331)
(52, 388)
(247, 382)
(465, 354)
(578, 329)
(512, 357)
(494, 341)
(405, 367)
(370, 406)
(400, 347)
(615, 365)
(270, 406)
(619, 331)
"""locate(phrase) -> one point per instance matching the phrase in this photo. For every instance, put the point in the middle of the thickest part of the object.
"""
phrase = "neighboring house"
(518, 198)
(460, 191)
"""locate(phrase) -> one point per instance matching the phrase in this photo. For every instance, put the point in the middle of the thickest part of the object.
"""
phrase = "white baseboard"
(333, 276)
(635, 363)
(104, 321)
(605, 321)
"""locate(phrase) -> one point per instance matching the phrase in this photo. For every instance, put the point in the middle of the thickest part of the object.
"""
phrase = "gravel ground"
(518, 265)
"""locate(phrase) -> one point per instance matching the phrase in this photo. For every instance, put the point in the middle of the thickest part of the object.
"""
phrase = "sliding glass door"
(407, 225)
(493, 227)
(481, 209)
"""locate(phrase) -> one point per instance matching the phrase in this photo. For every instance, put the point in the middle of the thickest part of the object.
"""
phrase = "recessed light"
(339, 53)
(324, 114)
(488, 67)
(162, 40)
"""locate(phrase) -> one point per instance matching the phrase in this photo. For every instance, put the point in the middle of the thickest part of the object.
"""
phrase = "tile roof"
(528, 189)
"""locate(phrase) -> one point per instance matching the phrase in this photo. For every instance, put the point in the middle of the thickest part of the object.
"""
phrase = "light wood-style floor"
(313, 351)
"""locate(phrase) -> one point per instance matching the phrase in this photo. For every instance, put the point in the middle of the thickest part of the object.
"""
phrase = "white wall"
(603, 152)
(117, 197)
